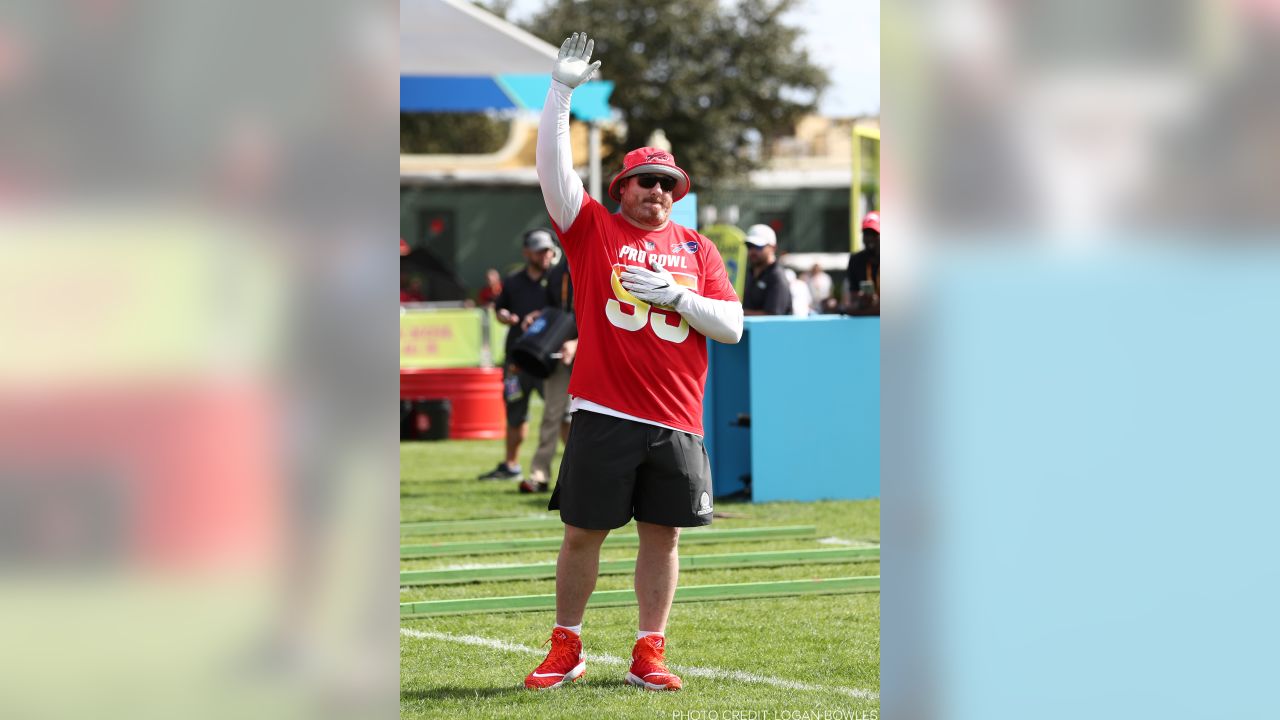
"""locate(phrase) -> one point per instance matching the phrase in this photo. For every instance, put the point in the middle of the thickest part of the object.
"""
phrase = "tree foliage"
(452, 133)
(501, 8)
(718, 80)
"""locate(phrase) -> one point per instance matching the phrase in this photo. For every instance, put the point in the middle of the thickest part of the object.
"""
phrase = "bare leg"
(515, 436)
(576, 571)
(657, 570)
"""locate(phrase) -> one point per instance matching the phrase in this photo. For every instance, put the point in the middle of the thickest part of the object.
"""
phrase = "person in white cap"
(648, 295)
(767, 290)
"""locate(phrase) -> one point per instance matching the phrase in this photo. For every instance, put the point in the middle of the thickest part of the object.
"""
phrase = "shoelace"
(655, 658)
(559, 651)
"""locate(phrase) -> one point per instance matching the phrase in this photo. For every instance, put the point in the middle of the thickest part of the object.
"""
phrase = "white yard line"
(712, 673)
(849, 543)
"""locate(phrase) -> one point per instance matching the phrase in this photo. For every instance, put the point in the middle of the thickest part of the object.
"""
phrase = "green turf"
(830, 643)
(688, 563)
(626, 598)
(695, 536)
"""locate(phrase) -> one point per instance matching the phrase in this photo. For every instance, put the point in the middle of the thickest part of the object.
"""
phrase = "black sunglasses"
(667, 182)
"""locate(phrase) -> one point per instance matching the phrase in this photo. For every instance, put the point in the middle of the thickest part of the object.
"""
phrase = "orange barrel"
(475, 394)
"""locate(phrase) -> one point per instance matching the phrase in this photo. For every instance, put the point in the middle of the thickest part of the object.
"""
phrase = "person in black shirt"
(862, 281)
(767, 290)
(524, 293)
(555, 389)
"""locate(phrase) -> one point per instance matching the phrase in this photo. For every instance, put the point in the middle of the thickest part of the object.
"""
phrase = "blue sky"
(842, 35)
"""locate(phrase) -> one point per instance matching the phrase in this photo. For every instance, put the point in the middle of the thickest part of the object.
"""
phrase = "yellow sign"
(731, 242)
(866, 172)
(442, 338)
(497, 339)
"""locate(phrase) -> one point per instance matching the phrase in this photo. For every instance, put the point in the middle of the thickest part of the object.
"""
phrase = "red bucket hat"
(647, 160)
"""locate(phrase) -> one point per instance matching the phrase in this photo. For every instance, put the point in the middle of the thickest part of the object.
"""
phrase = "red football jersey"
(635, 358)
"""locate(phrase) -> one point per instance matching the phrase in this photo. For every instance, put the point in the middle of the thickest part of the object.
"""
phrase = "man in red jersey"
(649, 293)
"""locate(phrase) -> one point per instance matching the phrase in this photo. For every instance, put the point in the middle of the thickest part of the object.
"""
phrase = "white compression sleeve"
(720, 320)
(561, 187)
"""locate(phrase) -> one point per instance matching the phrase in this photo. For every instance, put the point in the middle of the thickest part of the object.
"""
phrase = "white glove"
(572, 66)
(656, 286)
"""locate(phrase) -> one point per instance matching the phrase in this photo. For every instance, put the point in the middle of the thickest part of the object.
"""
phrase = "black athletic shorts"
(517, 389)
(615, 469)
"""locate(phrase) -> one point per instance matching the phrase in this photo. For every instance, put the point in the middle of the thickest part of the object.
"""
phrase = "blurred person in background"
(524, 292)
(555, 389)
(649, 294)
(862, 281)
(411, 289)
(801, 300)
(488, 294)
(819, 288)
(767, 290)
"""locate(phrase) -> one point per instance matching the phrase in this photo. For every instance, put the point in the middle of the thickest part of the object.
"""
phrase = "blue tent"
(455, 57)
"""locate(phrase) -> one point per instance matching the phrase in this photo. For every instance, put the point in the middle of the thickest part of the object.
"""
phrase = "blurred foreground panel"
(1079, 366)
(196, 278)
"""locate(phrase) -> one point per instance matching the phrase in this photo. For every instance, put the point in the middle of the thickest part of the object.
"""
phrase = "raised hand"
(574, 67)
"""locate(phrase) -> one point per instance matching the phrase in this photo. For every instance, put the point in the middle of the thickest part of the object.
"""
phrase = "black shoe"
(532, 486)
(502, 472)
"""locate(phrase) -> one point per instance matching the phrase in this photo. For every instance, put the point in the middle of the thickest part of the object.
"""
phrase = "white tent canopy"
(455, 38)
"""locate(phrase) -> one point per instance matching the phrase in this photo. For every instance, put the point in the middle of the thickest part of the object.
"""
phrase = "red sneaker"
(649, 666)
(563, 664)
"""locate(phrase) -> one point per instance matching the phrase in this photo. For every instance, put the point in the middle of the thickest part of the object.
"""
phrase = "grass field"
(816, 654)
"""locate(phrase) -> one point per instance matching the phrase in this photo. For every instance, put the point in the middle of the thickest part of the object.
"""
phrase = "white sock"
(644, 633)
(575, 629)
